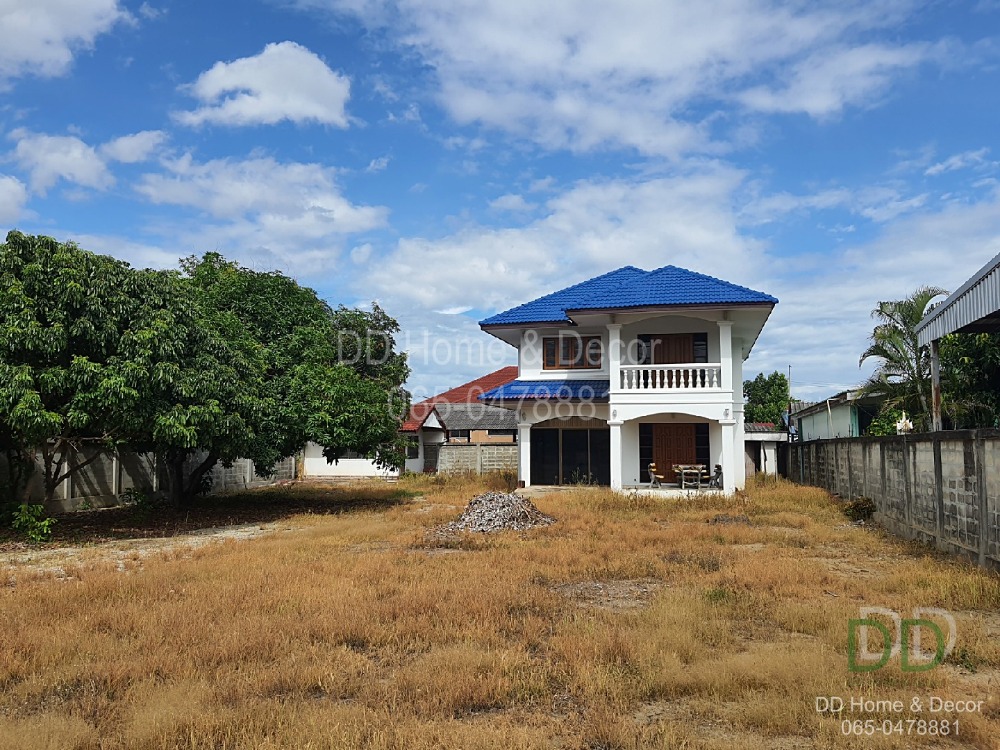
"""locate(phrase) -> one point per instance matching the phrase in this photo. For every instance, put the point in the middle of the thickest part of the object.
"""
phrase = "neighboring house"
(630, 368)
(429, 422)
(764, 441)
(476, 423)
(425, 426)
(847, 414)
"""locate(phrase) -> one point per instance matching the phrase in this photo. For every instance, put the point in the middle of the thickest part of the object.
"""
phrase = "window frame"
(412, 447)
(572, 352)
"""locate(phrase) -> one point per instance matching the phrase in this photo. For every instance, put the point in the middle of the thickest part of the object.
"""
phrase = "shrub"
(501, 480)
(32, 521)
(860, 509)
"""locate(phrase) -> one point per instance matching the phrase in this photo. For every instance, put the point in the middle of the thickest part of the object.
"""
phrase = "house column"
(524, 452)
(726, 353)
(616, 453)
(728, 457)
(615, 355)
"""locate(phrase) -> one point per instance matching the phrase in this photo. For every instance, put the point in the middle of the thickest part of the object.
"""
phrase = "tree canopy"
(767, 398)
(64, 313)
(902, 377)
(209, 364)
(970, 379)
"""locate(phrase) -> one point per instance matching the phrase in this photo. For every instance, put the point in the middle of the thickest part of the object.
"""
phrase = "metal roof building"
(973, 308)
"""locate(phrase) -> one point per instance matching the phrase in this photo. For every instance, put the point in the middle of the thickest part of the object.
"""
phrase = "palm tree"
(903, 377)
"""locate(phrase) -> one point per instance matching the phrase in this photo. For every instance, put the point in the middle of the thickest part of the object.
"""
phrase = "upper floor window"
(569, 352)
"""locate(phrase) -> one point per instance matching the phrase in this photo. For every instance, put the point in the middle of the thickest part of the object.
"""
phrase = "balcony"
(682, 378)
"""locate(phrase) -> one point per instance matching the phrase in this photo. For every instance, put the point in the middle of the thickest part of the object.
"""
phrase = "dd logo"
(903, 642)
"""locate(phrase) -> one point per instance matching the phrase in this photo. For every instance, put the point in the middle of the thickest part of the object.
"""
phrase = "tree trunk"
(175, 478)
(181, 487)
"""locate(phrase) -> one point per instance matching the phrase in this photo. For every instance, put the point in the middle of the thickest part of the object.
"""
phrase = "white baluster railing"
(680, 377)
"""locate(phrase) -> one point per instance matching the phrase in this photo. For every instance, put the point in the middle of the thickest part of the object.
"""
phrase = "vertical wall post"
(938, 494)
(935, 386)
(984, 536)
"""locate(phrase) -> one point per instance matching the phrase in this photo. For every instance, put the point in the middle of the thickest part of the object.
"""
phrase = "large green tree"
(200, 376)
(767, 398)
(332, 377)
(902, 377)
(63, 314)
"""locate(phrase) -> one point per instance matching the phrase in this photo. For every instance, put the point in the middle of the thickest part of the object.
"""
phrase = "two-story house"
(630, 368)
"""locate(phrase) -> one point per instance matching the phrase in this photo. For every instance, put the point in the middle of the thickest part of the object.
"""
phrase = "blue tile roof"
(562, 390)
(631, 287)
(552, 307)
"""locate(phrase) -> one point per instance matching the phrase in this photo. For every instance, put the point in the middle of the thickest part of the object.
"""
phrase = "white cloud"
(40, 37)
(377, 165)
(589, 229)
(284, 82)
(769, 208)
(584, 74)
(150, 13)
(879, 203)
(50, 158)
(888, 209)
(958, 161)
(13, 197)
(287, 215)
(361, 253)
(511, 202)
(825, 83)
(137, 147)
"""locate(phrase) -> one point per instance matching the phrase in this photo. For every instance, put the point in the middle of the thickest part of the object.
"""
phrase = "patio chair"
(654, 478)
(716, 480)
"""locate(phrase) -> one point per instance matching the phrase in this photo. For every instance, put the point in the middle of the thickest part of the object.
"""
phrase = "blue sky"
(452, 158)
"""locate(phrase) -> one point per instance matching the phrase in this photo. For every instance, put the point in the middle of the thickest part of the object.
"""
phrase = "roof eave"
(657, 308)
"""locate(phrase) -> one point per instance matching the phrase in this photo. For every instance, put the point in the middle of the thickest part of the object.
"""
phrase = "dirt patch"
(56, 560)
(617, 596)
(726, 519)
(693, 715)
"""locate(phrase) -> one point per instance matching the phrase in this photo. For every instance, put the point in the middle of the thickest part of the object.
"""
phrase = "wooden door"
(672, 348)
(673, 444)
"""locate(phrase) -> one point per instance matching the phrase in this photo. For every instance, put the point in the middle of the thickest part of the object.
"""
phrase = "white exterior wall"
(530, 355)
(315, 465)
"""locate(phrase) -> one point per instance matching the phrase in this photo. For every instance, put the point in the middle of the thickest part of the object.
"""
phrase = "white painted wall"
(530, 355)
(315, 465)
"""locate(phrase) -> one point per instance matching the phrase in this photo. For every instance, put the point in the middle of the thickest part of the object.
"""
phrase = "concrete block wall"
(939, 488)
(457, 458)
(102, 483)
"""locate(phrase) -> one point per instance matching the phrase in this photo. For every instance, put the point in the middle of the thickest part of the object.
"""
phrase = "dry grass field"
(629, 623)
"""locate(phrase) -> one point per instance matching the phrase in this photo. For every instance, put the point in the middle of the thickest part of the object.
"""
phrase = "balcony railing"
(686, 377)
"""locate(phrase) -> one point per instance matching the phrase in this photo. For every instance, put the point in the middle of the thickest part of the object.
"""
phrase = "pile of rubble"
(499, 511)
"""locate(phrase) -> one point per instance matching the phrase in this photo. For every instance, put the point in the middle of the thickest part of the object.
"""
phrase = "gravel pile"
(499, 511)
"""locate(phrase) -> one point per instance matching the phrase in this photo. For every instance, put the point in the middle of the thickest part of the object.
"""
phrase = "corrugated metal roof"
(631, 287)
(517, 390)
(475, 417)
(973, 308)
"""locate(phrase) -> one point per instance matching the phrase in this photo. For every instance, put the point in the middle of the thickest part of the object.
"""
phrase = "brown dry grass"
(355, 631)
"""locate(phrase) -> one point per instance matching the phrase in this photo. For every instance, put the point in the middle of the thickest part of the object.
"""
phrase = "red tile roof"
(468, 393)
